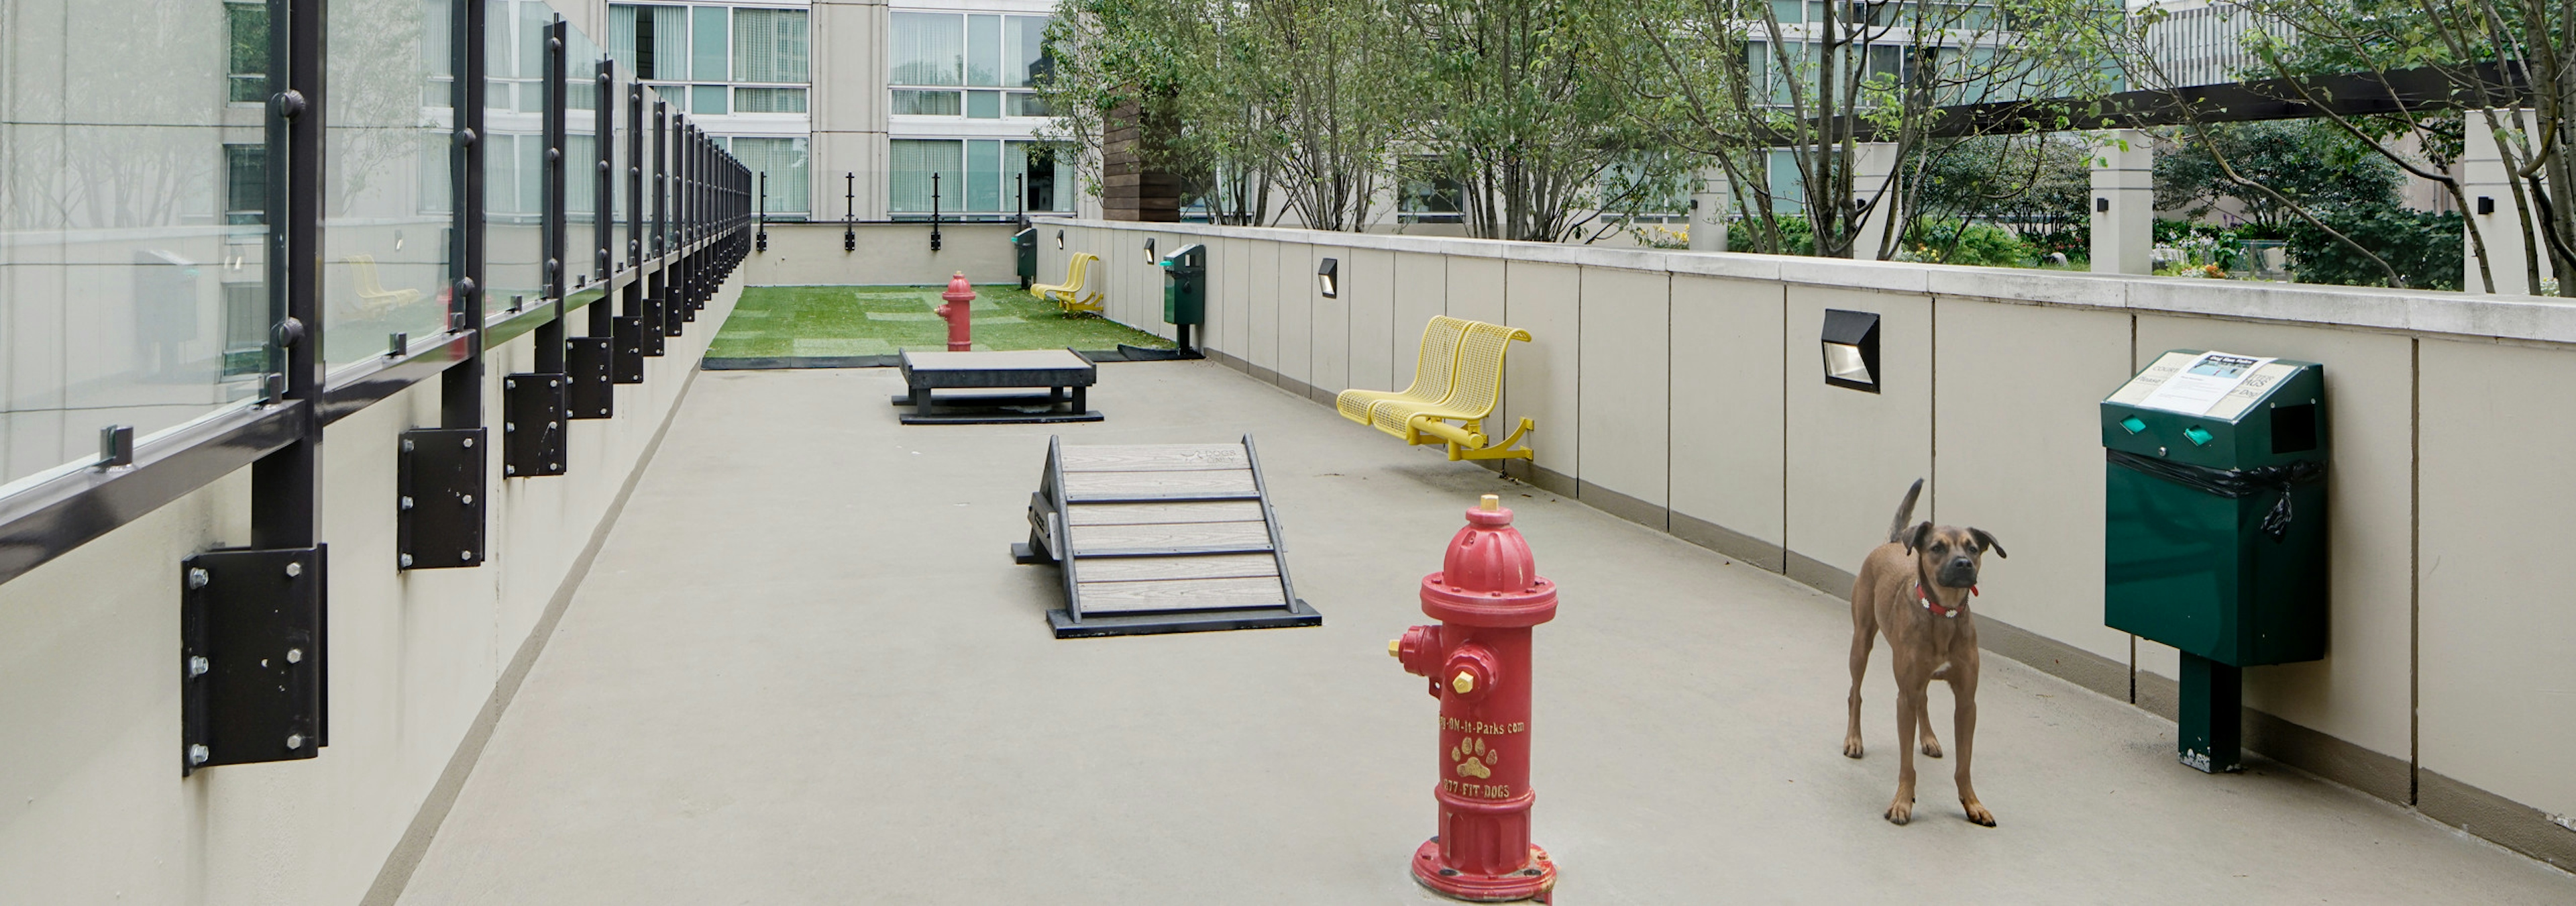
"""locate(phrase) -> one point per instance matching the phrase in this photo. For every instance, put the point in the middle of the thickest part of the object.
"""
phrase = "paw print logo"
(1473, 759)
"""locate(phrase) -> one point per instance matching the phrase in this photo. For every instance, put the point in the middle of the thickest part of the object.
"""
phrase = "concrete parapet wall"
(1685, 391)
(92, 805)
(888, 254)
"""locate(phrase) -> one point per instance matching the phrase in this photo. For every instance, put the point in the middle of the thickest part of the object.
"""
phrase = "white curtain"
(913, 162)
(769, 45)
(784, 160)
(927, 49)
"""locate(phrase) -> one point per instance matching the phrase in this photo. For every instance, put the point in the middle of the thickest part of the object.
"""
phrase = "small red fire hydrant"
(1486, 595)
(960, 314)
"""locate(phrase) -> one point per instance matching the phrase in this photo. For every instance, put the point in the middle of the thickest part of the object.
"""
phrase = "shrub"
(2425, 249)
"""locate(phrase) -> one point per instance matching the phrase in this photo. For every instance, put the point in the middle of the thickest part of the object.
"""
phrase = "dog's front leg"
(1909, 711)
(1963, 689)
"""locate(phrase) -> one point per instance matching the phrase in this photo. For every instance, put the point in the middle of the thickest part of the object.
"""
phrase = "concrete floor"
(805, 670)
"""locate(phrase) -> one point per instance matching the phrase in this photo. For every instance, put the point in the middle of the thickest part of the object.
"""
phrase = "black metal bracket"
(650, 333)
(590, 389)
(251, 663)
(532, 425)
(627, 359)
(440, 523)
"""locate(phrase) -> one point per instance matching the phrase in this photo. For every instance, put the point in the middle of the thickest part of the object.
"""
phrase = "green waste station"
(1024, 249)
(1185, 291)
(2215, 527)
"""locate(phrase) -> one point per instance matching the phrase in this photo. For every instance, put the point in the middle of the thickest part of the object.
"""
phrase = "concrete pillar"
(1871, 169)
(2489, 191)
(2124, 202)
(1710, 206)
(849, 106)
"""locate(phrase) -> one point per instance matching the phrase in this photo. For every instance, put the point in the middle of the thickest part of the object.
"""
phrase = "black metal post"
(461, 386)
(762, 244)
(1020, 199)
(286, 485)
(934, 210)
(550, 335)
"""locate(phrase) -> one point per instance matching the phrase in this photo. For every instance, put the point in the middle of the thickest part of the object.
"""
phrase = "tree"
(1524, 103)
(2487, 55)
(1312, 92)
(1732, 81)
(2304, 163)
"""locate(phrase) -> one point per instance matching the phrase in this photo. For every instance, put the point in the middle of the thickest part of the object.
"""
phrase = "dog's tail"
(1904, 513)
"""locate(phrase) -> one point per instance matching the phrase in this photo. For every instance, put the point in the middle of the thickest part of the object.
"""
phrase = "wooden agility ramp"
(1155, 538)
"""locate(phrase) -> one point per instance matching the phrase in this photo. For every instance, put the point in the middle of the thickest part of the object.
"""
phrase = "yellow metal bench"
(1476, 386)
(1433, 369)
(374, 300)
(1069, 294)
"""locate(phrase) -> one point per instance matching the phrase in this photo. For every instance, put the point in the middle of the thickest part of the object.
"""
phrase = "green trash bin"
(2215, 526)
(1024, 246)
(1185, 290)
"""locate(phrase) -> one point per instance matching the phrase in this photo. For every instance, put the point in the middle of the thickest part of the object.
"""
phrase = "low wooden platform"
(1160, 538)
(997, 387)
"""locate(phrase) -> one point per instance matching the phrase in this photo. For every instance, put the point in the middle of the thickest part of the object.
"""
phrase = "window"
(707, 45)
(708, 99)
(979, 177)
(1427, 195)
(928, 49)
(1023, 50)
(769, 45)
(650, 42)
(248, 60)
(245, 184)
(984, 50)
(767, 100)
(973, 51)
(926, 103)
(783, 159)
(913, 163)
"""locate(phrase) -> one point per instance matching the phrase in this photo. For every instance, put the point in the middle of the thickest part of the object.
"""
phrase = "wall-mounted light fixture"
(2486, 205)
(1328, 278)
(2101, 206)
(1059, 240)
(1150, 257)
(1851, 349)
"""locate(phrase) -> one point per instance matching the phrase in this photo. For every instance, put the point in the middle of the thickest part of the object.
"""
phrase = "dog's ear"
(1919, 538)
(1986, 539)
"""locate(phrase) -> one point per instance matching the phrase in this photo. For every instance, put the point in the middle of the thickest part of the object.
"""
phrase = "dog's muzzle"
(1958, 574)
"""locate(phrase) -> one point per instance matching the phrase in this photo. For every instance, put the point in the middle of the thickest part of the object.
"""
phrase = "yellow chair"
(374, 300)
(1069, 294)
(1477, 388)
(1433, 369)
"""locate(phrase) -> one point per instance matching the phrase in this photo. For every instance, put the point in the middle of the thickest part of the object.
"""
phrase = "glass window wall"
(929, 51)
(978, 177)
(784, 160)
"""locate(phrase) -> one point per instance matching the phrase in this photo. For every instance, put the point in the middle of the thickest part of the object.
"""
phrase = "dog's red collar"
(1935, 606)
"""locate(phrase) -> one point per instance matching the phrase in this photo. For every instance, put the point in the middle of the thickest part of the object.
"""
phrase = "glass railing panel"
(581, 151)
(514, 110)
(387, 204)
(133, 212)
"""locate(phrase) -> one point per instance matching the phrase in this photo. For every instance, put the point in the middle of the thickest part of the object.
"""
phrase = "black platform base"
(1098, 625)
(994, 407)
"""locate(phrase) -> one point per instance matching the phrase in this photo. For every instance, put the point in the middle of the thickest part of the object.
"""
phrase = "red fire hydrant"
(960, 314)
(1486, 595)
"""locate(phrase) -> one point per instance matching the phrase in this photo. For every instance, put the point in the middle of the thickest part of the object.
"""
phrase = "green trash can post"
(1024, 245)
(1185, 291)
(2215, 527)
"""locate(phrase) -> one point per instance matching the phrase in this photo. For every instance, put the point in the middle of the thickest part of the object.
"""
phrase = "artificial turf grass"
(774, 321)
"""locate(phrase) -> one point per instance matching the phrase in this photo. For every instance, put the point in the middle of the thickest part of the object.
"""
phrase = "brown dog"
(1915, 590)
